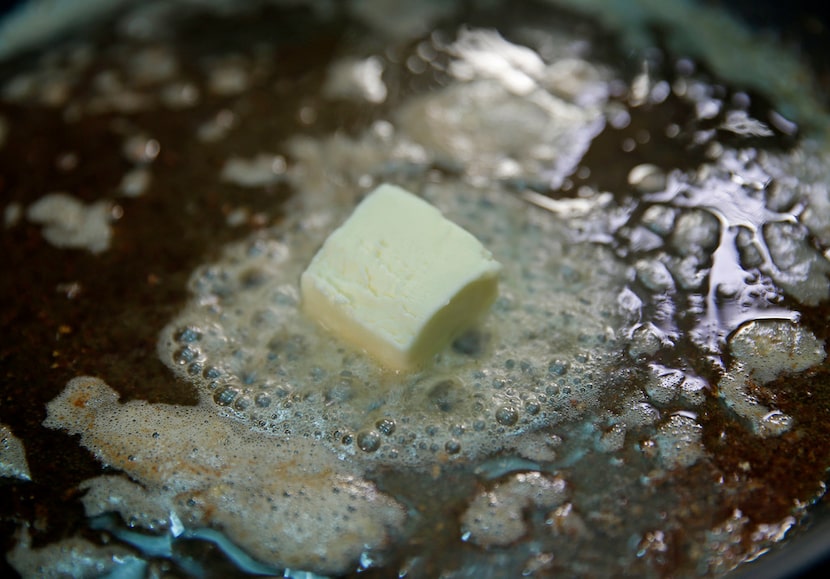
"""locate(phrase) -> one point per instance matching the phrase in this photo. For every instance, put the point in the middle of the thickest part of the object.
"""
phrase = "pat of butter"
(399, 280)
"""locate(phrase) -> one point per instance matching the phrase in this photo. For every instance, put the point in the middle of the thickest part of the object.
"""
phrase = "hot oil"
(620, 410)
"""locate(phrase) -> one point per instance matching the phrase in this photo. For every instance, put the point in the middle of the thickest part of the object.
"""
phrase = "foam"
(762, 351)
(242, 341)
(770, 348)
(496, 517)
(13, 462)
(258, 171)
(285, 409)
(679, 441)
(69, 223)
(72, 557)
(356, 79)
(269, 494)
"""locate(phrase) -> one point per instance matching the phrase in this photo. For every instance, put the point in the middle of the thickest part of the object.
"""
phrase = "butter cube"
(399, 280)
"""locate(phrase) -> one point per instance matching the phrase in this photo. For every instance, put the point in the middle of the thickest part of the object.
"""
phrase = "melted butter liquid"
(643, 218)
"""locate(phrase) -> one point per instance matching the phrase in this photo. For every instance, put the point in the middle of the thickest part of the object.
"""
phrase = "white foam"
(261, 170)
(243, 341)
(496, 516)
(769, 348)
(285, 500)
(72, 557)
(69, 223)
(356, 79)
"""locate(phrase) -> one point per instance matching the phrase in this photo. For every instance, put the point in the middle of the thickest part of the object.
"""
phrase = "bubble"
(368, 440)
(242, 403)
(452, 447)
(194, 369)
(446, 395)
(185, 355)
(507, 416)
(187, 335)
(775, 422)
(557, 335)
(262, 400)
(386, 426)
(212, 373)
(558, 368)
(252, 278)
(225, 396)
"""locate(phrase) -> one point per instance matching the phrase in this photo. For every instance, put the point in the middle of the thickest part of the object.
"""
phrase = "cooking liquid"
(646, 397)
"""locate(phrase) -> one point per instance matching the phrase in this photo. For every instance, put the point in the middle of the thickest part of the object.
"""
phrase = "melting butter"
(399, 280)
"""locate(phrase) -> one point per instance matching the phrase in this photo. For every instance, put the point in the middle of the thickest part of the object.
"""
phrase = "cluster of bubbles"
(542, 356)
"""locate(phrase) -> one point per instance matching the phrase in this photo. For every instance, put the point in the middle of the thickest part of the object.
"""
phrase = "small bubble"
(558, 367)
(211, 373)
(446, 395)
(507, 416)
(368, 440)
(188, 335)
(347, 439)
(386, 426)
(262, 400)
(156, 435)
(452, 447)
(194, 368)
(185, 355)
(479, 425)
(457, 429)
(252, 277)
(532, 408)
(242, 403)
(510, 364)
(225, 396)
